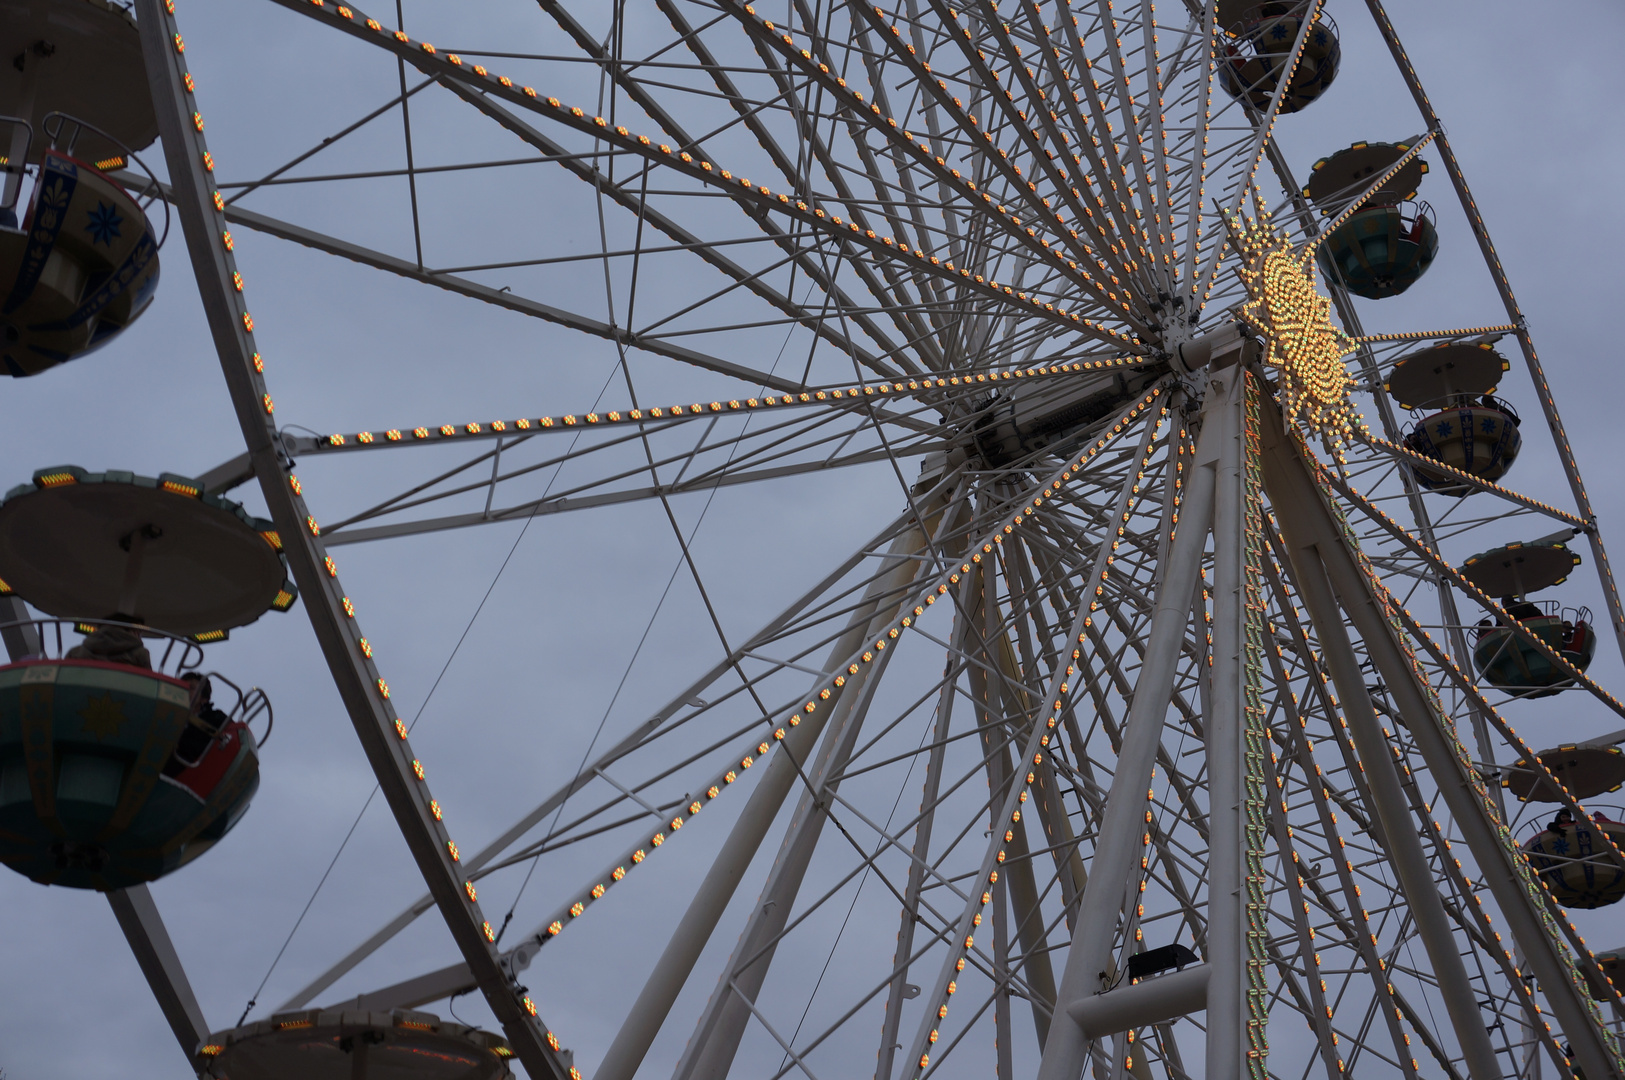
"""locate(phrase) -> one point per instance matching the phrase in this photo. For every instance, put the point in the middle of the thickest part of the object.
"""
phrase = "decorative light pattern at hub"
(1301, 343)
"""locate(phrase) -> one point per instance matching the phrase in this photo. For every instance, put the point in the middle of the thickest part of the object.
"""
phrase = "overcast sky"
(1530, 104)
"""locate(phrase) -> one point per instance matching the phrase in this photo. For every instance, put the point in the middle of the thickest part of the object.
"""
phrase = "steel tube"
(1222, 728)
(1546, 957)
(711, 1049)
(355, 676)
(908, 917)
(1594, 1049)
(1118, 848)
(1142, 1004)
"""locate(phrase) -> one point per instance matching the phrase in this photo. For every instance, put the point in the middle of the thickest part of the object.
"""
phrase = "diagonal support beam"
(144, 929)
(665, 983)
(651, 728)
(1330, 574)
(406, 268)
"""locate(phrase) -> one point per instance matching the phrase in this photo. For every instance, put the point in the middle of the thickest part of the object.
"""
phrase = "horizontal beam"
(1141, 1004)
(862, 399)
(228, 474)
(558, 506)
(409, 994)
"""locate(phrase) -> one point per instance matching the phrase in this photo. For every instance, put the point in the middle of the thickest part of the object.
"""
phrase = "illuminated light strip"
(1264, 137)
(427, 59)
(1193, 238)
(1531, 883)
(1294, 884)
(784, 44)
(1371, 189)
(1255, 736)
(1450, 470)
(1401, 617)
(430, 827)
(1428, 335)
(573, 909)
(1141, 184)
(976, 135)
(963, 939)
(438, 433)
(1403, 535)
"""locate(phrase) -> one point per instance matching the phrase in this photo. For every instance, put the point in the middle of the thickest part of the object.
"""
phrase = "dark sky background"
(1530, 102)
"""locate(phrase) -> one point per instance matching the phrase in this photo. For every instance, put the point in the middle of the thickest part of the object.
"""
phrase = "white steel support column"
(1300, 511)
(961, 939)
(1399, 832)
(201, 210)
(1118, 848)
(882, 599)
(1226, 1012)
(1505, 873)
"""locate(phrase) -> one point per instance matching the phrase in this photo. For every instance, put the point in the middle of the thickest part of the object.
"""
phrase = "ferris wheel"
(1160, 721)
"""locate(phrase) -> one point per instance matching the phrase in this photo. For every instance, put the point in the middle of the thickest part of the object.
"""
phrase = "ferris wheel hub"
(1051, 415)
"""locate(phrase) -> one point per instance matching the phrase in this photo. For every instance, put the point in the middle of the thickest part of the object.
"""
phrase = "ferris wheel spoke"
(1239, 185)
(966, 225)
(242, 190)
(803, 257)
(1471, 691)
(1052, 158)
(717, 1034)
(1472, 810)
(918, 1060)
(783, 772)
(756, 199)
(787, 621)
(589, 494)
(1020, 886)
(921, 154)
(791, 243)
(1107, 160)
(446, 981)
(908, 916)
(1405, 454)
(1136, 120)
(942, 103)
